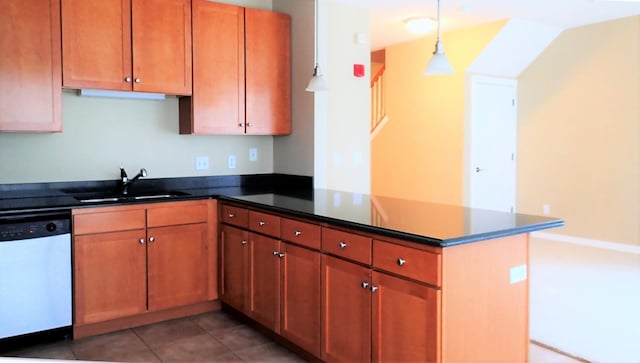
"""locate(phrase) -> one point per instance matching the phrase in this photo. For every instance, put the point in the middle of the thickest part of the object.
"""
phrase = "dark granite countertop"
(428, 223)
(433, 224)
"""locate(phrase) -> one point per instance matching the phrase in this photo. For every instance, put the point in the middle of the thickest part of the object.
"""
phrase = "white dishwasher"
(35, 276)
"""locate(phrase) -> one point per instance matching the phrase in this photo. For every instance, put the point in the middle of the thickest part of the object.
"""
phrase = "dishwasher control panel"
(29, 228)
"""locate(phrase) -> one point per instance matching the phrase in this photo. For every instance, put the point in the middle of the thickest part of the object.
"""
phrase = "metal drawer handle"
(401, 261)
(262, 223)
(244, 242)
(297, 233)
(342, 245)
(231, 215)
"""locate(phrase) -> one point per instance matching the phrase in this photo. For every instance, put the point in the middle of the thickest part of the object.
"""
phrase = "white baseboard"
(588, 242)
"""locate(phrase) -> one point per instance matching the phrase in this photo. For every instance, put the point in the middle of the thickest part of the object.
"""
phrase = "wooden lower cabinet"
(300, 299)
(133, 261)
(346, 307)
(177, 265)
(264, 290)
(234, 288)
(399, 307)
(110, 276)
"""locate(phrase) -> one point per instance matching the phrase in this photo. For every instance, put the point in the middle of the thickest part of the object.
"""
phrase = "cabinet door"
(96, 44)
(235, 267)
(217, 104)
(408, 329)
(346, 306)
(30, 79)
(268, 72)
(177, 265)
(109, 276)
(301, 297)
(161, 33)
(264, 283)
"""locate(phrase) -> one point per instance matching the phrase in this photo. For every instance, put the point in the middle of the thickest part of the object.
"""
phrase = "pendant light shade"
(439, 63)
(317, 82)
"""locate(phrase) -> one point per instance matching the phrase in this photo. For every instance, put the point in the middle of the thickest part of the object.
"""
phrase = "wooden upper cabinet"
(218, 71)
(96, 44)
(241, 72)
(127, 45)
(30, 79)
(268, 72)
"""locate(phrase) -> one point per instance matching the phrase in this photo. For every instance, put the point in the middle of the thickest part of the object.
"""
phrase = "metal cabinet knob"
(262, 223)
(275, 253)
(342, 245)
(138, 80)
(232, 215)
(152, 239)
(249, 124)
(127, 79)
(240, 124)
(281, 255)
(364, 284)
(374, 288)
(141, 241)
(244, 242)
(297, 233)
(401, 261)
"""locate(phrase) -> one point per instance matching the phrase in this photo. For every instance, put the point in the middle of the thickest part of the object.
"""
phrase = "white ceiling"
(387, 16)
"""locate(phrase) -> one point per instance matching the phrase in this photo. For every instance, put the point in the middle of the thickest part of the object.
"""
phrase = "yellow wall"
(579, 132)
(419, 153)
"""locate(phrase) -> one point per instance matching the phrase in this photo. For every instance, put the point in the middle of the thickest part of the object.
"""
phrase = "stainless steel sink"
(110, 197)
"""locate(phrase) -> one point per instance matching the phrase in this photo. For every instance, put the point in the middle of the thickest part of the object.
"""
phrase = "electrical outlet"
(202, 163)
(546, 209)
(232, 161)
(253, 154)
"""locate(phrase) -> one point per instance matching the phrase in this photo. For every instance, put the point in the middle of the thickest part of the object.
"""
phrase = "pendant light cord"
(438, 40)
(315, 34)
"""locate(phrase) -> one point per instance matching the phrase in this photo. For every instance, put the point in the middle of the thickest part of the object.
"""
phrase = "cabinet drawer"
(171, 214)
(405, 261)
(264, 223)
(347, 245)
(235, 215)
(109, 221)
(302, 233)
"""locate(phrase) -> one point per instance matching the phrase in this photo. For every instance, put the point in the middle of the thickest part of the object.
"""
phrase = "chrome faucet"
(126, 182)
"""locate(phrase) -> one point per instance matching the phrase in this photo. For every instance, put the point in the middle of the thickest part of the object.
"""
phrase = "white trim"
(379, 127)
(607, 245)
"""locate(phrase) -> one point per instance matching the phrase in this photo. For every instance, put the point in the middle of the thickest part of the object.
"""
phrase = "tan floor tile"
(121, 346)
(271, 352)
(240, 337)
(200, 348)
(159, 334)
(215, 321)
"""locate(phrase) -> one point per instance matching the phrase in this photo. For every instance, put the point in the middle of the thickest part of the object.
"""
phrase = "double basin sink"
(110, 196)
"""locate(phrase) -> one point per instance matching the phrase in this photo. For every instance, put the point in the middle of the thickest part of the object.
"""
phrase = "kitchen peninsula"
(353, 277)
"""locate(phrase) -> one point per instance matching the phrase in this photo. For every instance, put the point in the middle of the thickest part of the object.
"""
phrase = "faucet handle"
(123, 174)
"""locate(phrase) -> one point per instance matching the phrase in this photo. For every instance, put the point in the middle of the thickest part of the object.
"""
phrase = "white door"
(493, 144)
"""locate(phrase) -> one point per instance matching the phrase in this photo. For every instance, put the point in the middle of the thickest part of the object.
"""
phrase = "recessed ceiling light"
(419, 24)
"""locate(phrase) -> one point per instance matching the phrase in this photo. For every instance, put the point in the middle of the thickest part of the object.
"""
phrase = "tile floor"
(211, 337)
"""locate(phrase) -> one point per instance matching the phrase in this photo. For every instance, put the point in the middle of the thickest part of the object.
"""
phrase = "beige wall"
(579, 152)
(293, 154)
(419, 153)
(101, 134)
(579, 131)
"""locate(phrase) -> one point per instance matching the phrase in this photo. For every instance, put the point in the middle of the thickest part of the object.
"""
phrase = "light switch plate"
(202, 163)
(232, 161)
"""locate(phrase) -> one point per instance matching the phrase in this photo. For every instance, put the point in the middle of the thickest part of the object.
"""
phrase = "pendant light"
(439, 64)
(317, 82)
